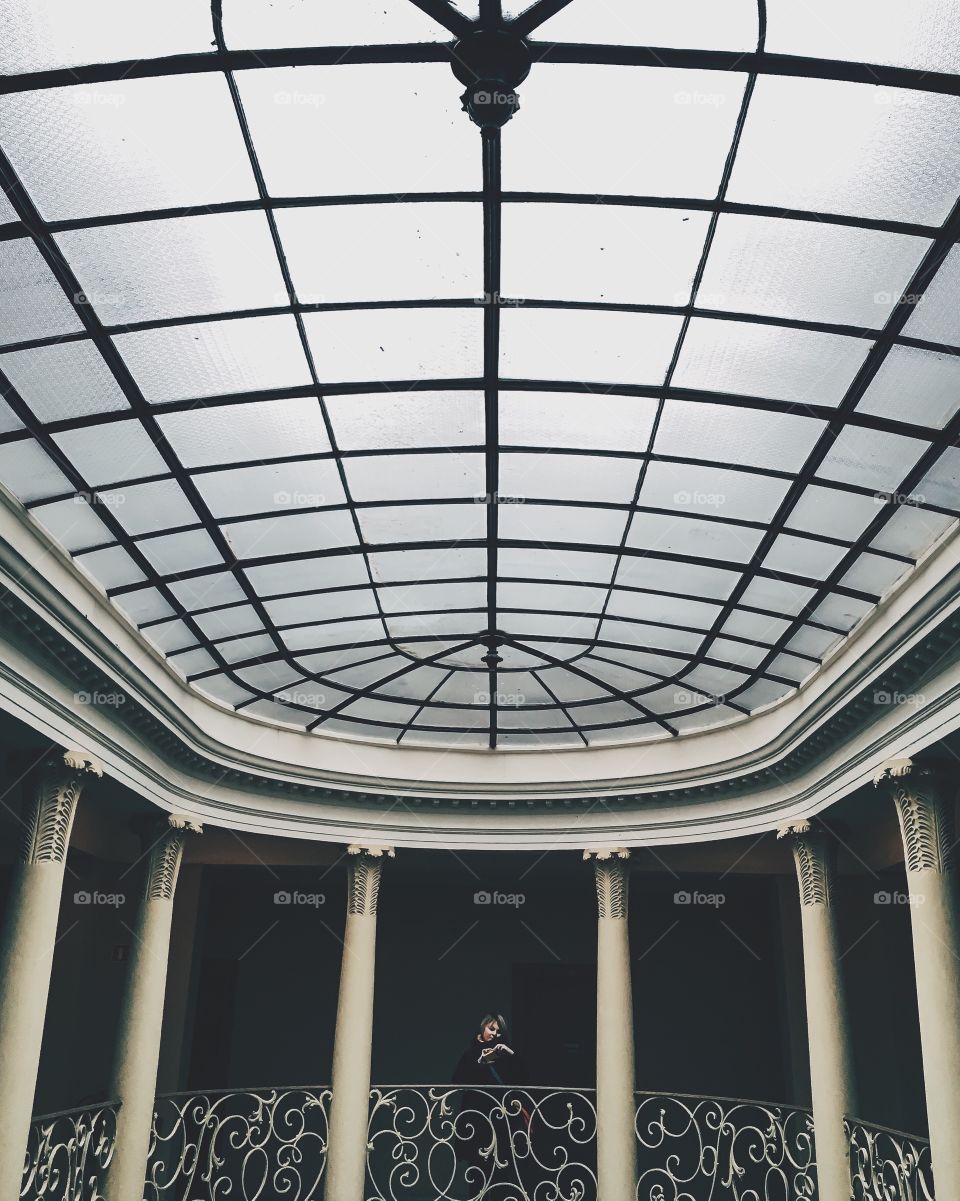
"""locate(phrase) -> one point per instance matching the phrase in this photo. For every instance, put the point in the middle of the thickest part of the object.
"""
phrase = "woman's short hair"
(499, 1019)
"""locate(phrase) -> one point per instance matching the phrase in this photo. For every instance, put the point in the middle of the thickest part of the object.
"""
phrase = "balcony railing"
(68, 1154)
(886, 1165)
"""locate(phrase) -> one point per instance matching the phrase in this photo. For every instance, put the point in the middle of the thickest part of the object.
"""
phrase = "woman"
(492, 1124)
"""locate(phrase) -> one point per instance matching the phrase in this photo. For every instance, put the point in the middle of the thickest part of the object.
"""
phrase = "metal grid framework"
(606, 427)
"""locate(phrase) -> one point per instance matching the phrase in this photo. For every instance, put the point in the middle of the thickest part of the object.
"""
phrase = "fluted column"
(26, 946)
(616, 1077)
(831, 1069)
(925, 807)
(350, 1103)
(137, 1053)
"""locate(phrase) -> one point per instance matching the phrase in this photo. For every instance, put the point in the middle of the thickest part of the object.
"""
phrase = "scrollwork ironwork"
(68, 1153)
(886, 1165)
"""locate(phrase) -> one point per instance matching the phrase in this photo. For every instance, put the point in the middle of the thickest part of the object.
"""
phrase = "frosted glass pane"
(738, 495)
(417, 140)
(781, 596)
(764, 692)
(839, 147)
(412, 477)
(107, 454)
(917, 386)
(567, 598)
(423, 523)
(803, 556)
(842, 612)
(568, 477)
(694, 578)
(271, 488)
(576, 419)
(172, 554)
(66, 379)
(176, 268)
(698, 23)
(224, 623)
(757, 360)
(7, 211)
(381, 420)
(811, 641)
(234, 433)
(691, 536)
(758, 627)
(59, 33)
(396, 344)
(640, 606)
(936, 318)
(681, 152)
(141, 508)
(259, 24)
(215, 358)
(910, 531)
(127, 145)
(30, 473)
(32, 304)
(288, 535)
(941, 485)
(870, 458)
(924, 34)
(207, 591)
(433, 563)
(728, 434)
(560, 344)
(330, 606)
(615, 253)
(410, 597)
(455, 625)
(73, 523)
(561, 523)
(826, 511)
(570, 566)
(537, 626)
(111, 568)
(146, 604)
(409, 251)
(223, 690)
(874, 574)
(307, 575)
(808, 270)
(170, 636)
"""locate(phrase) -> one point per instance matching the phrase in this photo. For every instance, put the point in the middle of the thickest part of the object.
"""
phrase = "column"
(137, 1054)
(350, 1084)
(831, 1069)
(616, 1078)
(26, 946)
(925, 807)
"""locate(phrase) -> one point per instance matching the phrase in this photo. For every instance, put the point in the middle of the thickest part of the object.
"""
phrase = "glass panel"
(566, 598)
(215, 358)
(127, 145)
(582, 420)
(842, 514)
(634, 634)
(73, 523)
(606, 714)
(271, 489)
(417, 140)
(409, 597)
(560, 626)
(561, 523)
(67, 379)
(567, 686)
(758, 360)
(190, 663)
(206, 591)
(29, 472)
(268, 677)
(780, 596)
(435, 563)
(239, 619)
(32, 304)
(936, 318)
(792, 668)
(241, 650)
(555, 564)
(758, 627)
(669, 609)
(180, 267)
(763, 692)
(713, 716)
(874, 574)
(172, 554)
(870, 458)
(699, 23)
(665, 576)
(916, 386)
(322, 607)
(306, 575)
(717, 682)
(803, 556)
(838, 147)
(111, 568)
(146, 604)
(289, 535)
(258, 24)
(555, 147)
(808, 270)
(277, 713)
(265, 429)
(610, 347)
(568, 477)
(842, 612)
(614, 253)
(106, 454)
(811, 641)
(691, 536)
(409, 251)
(170, 636)
(738, 495)
(223, 690)
(623, 679)
(910, 531)
(423, 523)
(737, 654)
(61, 33)
(941, 485)
(382, 420)
(457, 625)
(411, 477)
(926, 34)
(8, 420)
(141, 508)
(396, 344)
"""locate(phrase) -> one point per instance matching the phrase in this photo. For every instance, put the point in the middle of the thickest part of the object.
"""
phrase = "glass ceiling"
(604, 427)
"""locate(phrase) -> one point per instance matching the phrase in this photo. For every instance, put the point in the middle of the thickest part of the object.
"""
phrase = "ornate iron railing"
(886, 1165)
(437, 1143)
(713, 1148)
(249, 1145)
(68, 1153)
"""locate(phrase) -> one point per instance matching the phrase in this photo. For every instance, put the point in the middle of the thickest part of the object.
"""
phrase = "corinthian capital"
(56, 785)
(364, 869)
(611, 872)
(925, 809)
(813, 854)
(163, 838)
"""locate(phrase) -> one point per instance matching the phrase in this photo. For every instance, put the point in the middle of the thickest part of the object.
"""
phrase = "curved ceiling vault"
(603, 427)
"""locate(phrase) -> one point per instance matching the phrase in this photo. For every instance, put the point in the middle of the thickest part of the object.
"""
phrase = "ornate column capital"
(364, 868)
(814, 854)
(56, 782)
(925, 810)
(162, 836)
(611, 871)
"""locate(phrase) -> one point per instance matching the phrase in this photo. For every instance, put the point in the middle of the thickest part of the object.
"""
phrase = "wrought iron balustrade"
(68, 1153)
(250, 1145)
(887, 1165)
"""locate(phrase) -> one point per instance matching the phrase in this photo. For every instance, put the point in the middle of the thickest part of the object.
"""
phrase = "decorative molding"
(57, 784)
(163, 841)
(813, 854)
(926, 812)
(611, 872)
(364, 869)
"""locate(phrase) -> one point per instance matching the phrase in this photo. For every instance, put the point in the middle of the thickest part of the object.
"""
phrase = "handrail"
(68, 1113)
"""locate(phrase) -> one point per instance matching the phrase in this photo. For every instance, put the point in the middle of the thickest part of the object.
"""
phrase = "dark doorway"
(555, 1018)
(213, 1025)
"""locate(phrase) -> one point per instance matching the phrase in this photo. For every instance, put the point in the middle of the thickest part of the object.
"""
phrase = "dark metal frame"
(484, 633)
